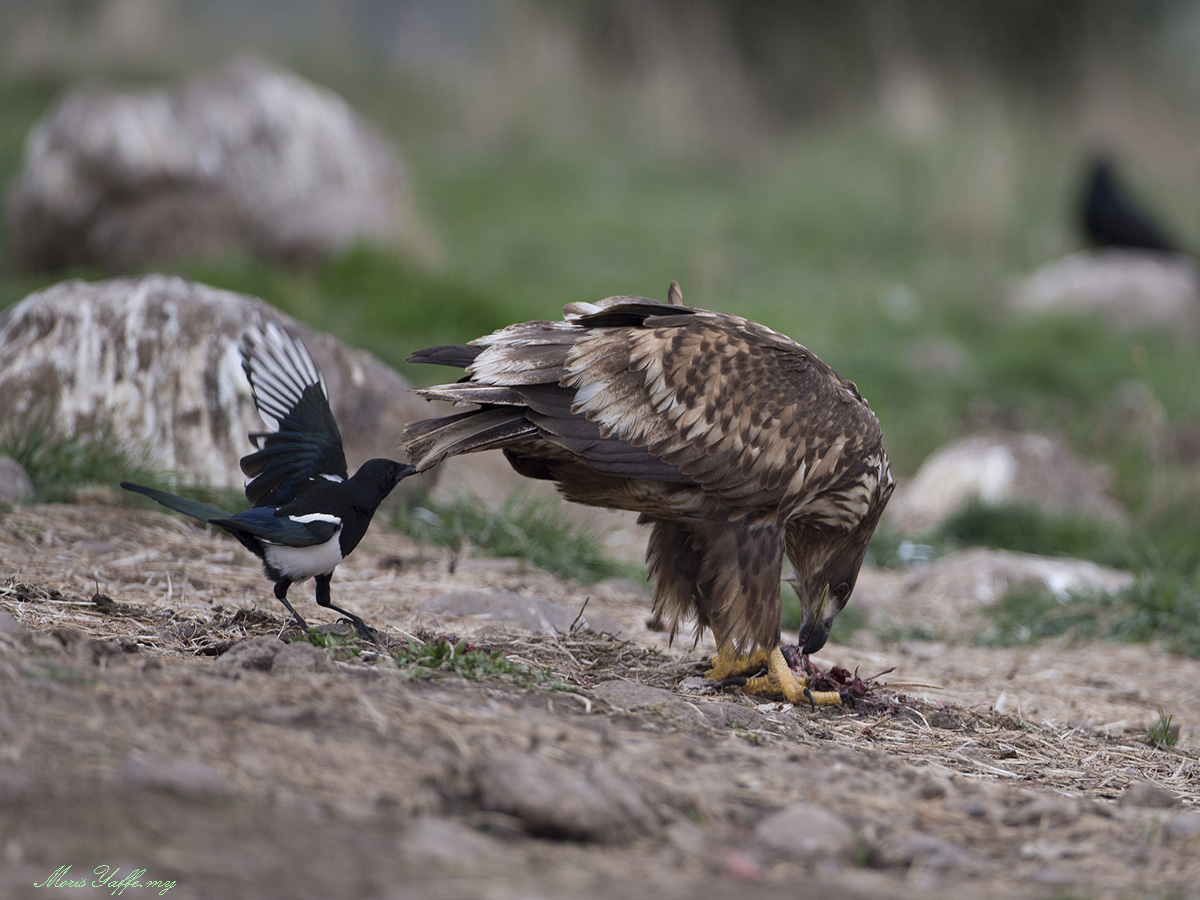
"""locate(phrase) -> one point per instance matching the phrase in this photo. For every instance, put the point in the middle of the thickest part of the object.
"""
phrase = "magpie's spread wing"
(290, 531)
(304, 442)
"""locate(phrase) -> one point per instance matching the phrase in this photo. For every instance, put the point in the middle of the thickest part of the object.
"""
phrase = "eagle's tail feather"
(430, 441)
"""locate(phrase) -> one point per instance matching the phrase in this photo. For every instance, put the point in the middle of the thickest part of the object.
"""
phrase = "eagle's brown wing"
(750, 415)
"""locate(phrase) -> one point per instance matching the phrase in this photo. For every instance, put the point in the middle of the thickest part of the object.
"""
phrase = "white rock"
(1027, 469)
(1128, 289)
(247, 159)
(156, 358)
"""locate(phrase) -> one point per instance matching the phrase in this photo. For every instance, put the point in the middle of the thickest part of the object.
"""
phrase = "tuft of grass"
(1161, 606)
(432, 661)
(1024, 529)
(340, 646)
(1160, 734)
(525, 527)
(59, 465)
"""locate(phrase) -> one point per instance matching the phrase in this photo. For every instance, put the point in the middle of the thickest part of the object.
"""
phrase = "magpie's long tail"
(193, 508)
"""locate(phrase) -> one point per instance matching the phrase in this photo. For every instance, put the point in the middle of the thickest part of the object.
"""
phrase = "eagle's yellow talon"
(779, 678)
(727, 664)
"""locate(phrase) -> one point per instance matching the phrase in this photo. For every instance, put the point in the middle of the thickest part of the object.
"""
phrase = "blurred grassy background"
(867, 178)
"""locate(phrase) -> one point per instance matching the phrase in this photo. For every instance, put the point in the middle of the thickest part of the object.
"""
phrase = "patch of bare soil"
(151, 719)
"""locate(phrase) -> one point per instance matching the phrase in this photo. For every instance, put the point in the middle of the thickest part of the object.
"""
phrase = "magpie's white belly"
(298, 563)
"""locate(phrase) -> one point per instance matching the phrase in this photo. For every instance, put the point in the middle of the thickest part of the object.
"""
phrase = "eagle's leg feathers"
(780, 679)
(727, 664)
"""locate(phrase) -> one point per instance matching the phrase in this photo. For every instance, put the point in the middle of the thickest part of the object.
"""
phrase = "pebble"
(182, 777)
(927, 851)
(1148, 794)
(804, 831)
(1182, 827)
(588, 801)
(1047, 810)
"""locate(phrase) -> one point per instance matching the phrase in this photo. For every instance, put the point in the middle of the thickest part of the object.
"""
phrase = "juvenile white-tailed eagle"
(734, 443)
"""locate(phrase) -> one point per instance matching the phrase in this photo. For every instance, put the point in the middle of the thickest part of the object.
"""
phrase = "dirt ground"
(164, 727)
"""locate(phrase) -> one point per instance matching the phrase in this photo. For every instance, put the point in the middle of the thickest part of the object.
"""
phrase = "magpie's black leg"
(323, 599)
(281, 589)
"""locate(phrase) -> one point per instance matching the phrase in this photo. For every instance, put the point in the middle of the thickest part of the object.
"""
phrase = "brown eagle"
(734, 443)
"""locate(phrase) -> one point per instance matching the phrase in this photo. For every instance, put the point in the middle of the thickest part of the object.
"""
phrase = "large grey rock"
(246, 159)
(1128, 289)
(1002, 468)
(156, 358)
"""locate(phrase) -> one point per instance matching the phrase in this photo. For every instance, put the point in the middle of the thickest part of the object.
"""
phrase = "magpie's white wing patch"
(279, 368)
(317, 517)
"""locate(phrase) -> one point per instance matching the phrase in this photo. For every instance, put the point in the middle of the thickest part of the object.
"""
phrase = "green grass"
(340, 646)
(524, 527)
(59, 465)
(1162, 606)
(1160, 734)
(432, 661)
(1024, 529)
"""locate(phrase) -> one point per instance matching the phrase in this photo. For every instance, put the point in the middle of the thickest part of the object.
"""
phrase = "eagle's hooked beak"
(813, 630)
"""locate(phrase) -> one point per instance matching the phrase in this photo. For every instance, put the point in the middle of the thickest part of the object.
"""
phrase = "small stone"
(931, 789)
(1043, 810)
(926, 851)
(181, 777)
(629, 695)
(450, 843)
(970, 806)
(299, 657)
(804, 831)
(12, 629)
(947, 720)
(255, 654)
(15, 484)
(1148, 794)
(1184, 826)
(586, 802)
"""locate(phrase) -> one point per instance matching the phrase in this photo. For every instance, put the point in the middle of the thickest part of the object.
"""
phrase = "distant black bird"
(307, 515)
(1111, 217)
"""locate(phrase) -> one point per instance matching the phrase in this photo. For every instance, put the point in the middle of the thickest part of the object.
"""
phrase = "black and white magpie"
(307, 515)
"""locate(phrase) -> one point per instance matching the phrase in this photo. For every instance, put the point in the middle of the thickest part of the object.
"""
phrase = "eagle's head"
(824, 594)
(827, 544)
(826, 564)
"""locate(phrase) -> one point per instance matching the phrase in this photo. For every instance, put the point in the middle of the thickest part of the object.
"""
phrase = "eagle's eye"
(842, 592)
